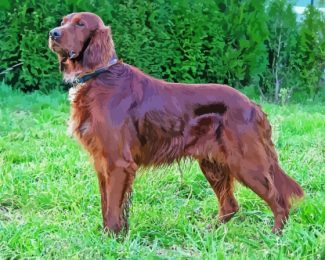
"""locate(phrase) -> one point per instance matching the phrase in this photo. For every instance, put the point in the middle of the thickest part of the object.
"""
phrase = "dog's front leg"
(115, 183)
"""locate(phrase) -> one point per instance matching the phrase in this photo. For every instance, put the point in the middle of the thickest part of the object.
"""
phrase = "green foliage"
(296, 52)
(22, 42)
(240, 43)
(311, 55)
(50, 202)
(191, 41)
(24, 29)
(282, 48)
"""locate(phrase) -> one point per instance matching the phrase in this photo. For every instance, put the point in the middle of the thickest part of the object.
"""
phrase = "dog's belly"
(164, 141)
(160, 151)
(158, 143)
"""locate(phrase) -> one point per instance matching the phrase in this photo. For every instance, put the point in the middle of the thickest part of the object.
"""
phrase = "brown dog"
(126, 119)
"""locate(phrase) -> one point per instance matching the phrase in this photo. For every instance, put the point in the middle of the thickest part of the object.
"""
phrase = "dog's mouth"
(63, 52)
(67, 53)
(56, 47)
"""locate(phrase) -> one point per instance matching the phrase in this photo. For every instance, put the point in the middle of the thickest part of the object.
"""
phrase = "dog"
(126, 119)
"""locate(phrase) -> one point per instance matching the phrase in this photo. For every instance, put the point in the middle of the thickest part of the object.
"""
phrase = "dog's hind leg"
(253, 170)
(222, 183)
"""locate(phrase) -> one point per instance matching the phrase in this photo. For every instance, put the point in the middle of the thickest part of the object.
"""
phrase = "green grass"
(49, 199)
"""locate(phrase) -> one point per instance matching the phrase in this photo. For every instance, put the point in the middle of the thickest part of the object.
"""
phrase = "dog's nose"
(55, 34)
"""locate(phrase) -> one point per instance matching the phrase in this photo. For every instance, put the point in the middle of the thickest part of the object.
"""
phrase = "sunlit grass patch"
(50, 204)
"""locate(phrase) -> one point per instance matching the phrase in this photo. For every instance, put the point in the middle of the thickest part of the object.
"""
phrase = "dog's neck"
(72, 68)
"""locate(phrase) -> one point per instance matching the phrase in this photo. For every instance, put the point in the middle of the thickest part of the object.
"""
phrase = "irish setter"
(126, 119)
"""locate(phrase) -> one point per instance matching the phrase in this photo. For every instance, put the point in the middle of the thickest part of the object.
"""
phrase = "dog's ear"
(99, 50)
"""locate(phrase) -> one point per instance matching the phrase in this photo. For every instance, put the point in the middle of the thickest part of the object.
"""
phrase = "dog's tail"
(288, 189)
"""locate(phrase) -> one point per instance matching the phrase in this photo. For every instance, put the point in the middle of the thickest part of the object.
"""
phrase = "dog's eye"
(62, 23)
(79, 23)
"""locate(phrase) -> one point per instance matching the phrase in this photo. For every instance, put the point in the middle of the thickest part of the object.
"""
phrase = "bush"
(281, 76)
(192, 41)
(240, 43)
(311, 51)
(24, 29)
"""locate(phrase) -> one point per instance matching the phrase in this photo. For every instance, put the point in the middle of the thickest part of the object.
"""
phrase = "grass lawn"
(50, 203)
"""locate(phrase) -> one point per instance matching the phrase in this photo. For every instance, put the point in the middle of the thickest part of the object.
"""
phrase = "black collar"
(85, 77)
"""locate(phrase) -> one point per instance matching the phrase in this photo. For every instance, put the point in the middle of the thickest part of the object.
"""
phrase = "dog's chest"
(79, 123)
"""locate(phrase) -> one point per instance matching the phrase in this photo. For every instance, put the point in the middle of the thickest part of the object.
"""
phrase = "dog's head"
(82, 42)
